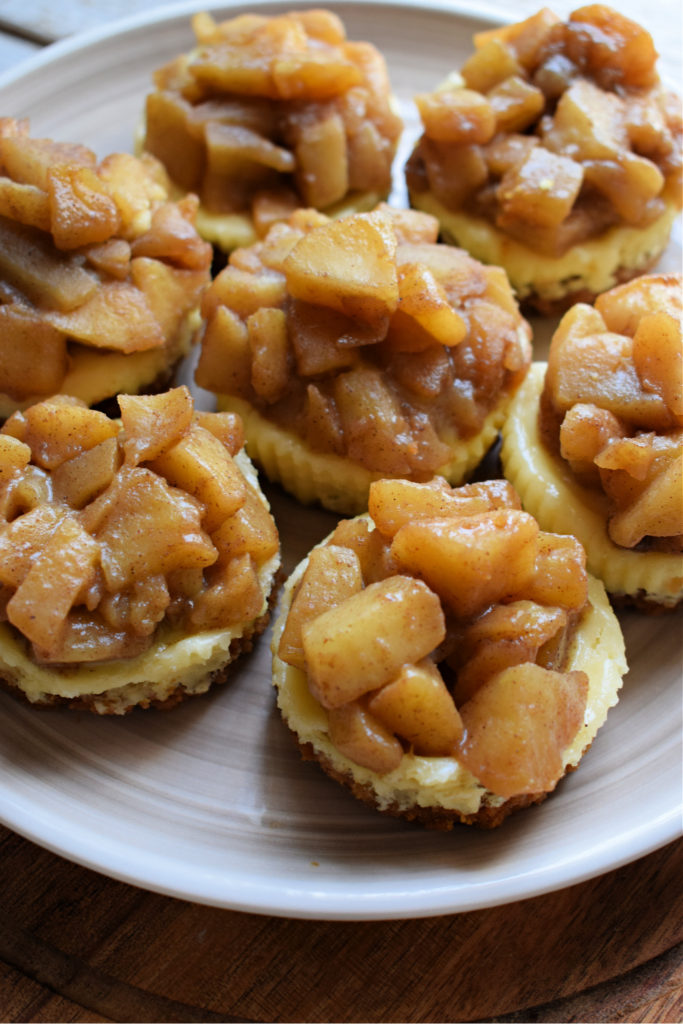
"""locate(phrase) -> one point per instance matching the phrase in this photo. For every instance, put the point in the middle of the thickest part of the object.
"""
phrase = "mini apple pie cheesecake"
(137, 557)
(358, 348)
(594, 439)
(554, 152)
(100, 273)
(443, 657)
(269, 113)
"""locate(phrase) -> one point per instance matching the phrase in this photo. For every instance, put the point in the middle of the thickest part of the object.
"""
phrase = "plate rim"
(115, 862)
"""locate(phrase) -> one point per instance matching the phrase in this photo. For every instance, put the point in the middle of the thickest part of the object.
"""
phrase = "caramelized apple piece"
(149, 528)
(518, 725)
(492, 62)
(471, 561)
(585, 431)
(611, 46)
(653, 505)
(425, 316)
(200, 465)
(623, 307)
(347, 265)
(505, 635)
(393, 503)
(658, 358)
(24, 203)
(29, 262)
(376, 432)
(357, 734)
(362, 643)
(33, 353)
(249, 530)
(22, 540)
(322, 164)
(234, 596)
(243, 292)
(271, 354)
(81, 211)
(542, 188)
(117, 316)
(418, 707)
(461, 116)
(154, 423)
(597, 368)
(64, 567)
(60, 428)
(225, 359)
(559, 577)
(82, 477)
(516, 104)
(332, 574)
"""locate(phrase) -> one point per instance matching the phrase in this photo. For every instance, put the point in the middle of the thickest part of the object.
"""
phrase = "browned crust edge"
(440, 819)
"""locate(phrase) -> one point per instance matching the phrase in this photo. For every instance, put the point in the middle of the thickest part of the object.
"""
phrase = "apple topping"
(553, 131)
(612, 406)
(93, 254)
(370, 340)
(439, 625)
(112, 533)
(270, 113)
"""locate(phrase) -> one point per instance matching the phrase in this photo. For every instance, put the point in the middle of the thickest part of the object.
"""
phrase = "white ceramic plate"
(210, 802)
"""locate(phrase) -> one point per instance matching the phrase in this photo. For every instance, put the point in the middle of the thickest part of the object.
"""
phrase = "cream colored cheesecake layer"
(551, 494)
(228, 231)
(441, 782)
(173, 660)
(333, 480)
(591, 265)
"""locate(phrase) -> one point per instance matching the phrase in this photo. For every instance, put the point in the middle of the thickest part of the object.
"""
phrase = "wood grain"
(76, 946)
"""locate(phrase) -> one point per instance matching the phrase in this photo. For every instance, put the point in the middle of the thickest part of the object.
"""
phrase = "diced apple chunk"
(362, 643)
(559, 577)
(348, 265)
(22, 540)
(357, 734)
(64, 567)
(154, 423)
(658, 357)
(518, 725)
(471, 561)
(148, 528)
(461, 116)
(200, 465)
(332, 574)
(78, 480)
(418, 707)
(58, 429)
(234, 596)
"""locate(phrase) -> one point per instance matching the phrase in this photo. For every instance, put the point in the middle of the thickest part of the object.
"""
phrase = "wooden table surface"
(77, 946)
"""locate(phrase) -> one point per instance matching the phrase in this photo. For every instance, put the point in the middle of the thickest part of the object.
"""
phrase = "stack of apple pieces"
(270, 112)
(440, 624)
(112, 531)
(365, 337)
(613, 401)
(554, 130)
(93, 256)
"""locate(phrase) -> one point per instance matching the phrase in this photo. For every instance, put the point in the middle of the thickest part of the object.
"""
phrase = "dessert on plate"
(443, 657)
(100, 272)
(554, 152)
(359, 347)
(269, 113)
(594, 438)
(137, 557)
